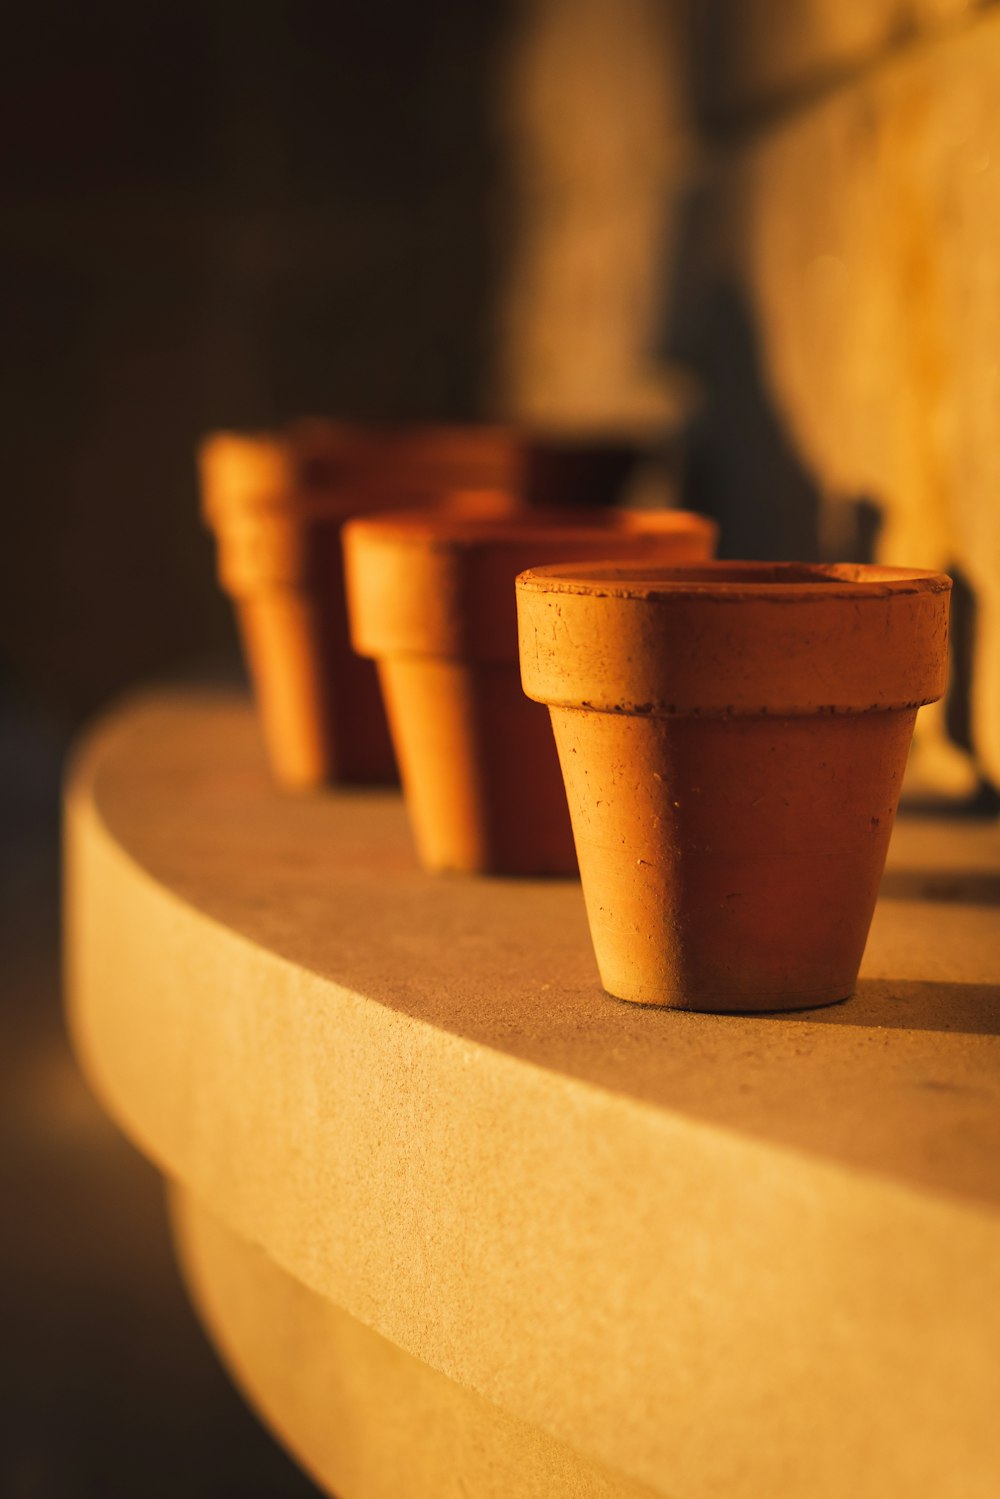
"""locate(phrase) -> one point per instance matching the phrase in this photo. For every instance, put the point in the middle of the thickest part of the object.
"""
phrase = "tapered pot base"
(321, 710)
(479, 769)
(722, 1004)
(731, 864)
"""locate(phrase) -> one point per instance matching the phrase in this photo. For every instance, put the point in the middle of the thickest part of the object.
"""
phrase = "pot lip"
(282, 466)
(480, 504)
(731, 581)
(437, 530)
(287, 470)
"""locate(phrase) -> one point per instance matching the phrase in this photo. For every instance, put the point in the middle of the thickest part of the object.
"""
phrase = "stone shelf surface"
(462, 1225)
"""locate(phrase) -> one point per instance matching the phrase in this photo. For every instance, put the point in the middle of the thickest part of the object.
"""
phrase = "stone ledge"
(367, 1420)
(714, 1255)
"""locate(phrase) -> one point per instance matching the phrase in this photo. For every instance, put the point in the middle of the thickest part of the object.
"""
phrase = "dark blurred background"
(213, 214)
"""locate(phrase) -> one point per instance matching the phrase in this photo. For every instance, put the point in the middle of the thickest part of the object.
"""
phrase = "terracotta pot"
(432, 600)
(543, 464)
(277, 504)
(732, 739)
(407, 463)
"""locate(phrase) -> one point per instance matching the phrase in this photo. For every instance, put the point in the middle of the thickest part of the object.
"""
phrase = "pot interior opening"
(641, 575)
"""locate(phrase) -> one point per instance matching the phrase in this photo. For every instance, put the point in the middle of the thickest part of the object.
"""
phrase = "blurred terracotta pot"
(545, 464)
(432, 600)
(733, 739)
(406, 463)
(541, 464)
(277, 504)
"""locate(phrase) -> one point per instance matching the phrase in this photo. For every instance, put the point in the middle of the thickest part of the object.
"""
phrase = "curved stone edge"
(366, 1420)
(681, 1305)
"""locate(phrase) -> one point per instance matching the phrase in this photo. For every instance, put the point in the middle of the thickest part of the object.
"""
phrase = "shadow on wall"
(741, 465)
(959, 711)
(744, 469)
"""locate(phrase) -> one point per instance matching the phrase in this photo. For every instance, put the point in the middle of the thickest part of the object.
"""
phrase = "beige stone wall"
(593, 125)
(850, 152)
(773, 52)
(868, 240)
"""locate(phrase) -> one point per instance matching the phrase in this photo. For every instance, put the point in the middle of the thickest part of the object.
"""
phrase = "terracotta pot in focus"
(431, 598)
(733, 739)
(277, 504)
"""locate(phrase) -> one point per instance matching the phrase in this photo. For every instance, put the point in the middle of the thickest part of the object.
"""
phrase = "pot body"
(320, 708)
(731, 863)
(319, 704)
(432, 600)
(277, 505)
(483, 789)
(733, 746)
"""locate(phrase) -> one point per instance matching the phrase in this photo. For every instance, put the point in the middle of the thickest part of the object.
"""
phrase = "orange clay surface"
(733, 738)
(431, 598)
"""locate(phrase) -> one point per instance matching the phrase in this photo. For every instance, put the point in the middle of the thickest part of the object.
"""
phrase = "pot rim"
(439, 530)
(283, 467)
(640, 637)
(315, 467)
(435, 584)
(729, 581)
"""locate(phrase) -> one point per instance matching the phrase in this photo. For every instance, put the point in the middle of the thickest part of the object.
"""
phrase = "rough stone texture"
(718, 1255)
(366, 1419)
(866, 232)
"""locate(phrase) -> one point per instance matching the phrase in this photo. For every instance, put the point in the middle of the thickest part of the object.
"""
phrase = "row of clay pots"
(732, 739)
(731, 736)
(277, 503)
(431, 599)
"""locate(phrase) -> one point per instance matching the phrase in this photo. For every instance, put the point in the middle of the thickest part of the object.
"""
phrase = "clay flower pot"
(432, 600)
(407, 463)
(733, 739)
(542, 464)
(276, 503)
